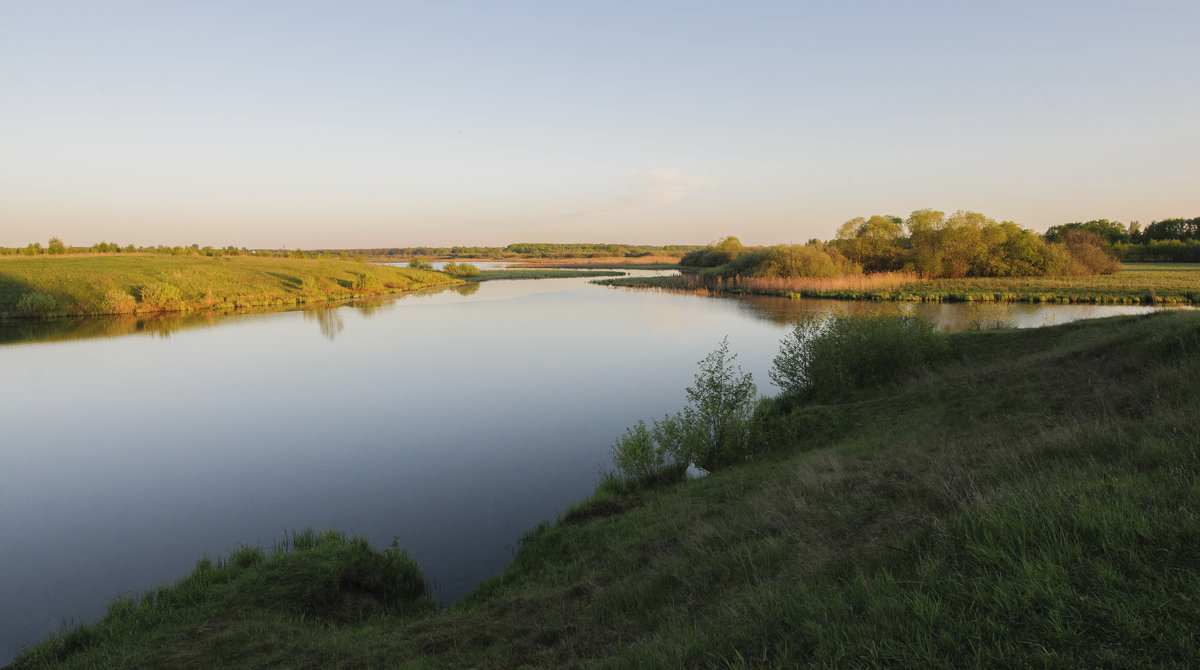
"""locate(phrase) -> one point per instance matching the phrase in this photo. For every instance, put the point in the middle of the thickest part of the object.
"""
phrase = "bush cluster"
(160, 298)
(818, 360)
(712, 431)
(36, 304)
(461, 269)
(117, 302)
(367, 282)
(821, 358)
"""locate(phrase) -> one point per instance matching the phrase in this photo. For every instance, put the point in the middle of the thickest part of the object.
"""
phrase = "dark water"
(452, 420)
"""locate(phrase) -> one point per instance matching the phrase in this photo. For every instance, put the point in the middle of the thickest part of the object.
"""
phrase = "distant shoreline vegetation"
(963, 257)
(1136, 284)
(48, 286)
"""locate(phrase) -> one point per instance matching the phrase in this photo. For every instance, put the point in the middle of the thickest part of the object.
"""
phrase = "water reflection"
(27, 331)
(948, 317)
(328, 320)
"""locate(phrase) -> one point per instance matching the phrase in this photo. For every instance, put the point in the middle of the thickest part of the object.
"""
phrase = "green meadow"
(126, 284)
(1014, 498)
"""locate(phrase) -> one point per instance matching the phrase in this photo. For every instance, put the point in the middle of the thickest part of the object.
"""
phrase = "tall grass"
(1144, 284)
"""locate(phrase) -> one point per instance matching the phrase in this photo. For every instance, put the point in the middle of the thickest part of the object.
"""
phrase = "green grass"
(78, 285)
(1137, 283)
(1032, 499)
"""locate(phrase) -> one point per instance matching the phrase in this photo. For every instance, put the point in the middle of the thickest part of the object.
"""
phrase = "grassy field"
(1137, 283)
(1030, 499)
(77, 285)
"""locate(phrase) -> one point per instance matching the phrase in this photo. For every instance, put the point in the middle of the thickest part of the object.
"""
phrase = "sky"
(353, 124)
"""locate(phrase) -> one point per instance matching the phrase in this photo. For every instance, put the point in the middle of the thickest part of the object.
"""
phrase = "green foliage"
(712, 431)
(717, 253)
(117, 302)
(36, 304)
(419, 263)
(461, 269)
(1172, 229)
(1161, 251)
(720, 404)
(160, 297)
(646, 456)
(823, 358)
(789, 260)
(56, 246)
(331, 576)
(368, 282)
(1112, 232)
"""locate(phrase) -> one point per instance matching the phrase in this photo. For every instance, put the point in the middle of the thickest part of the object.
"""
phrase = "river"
(452, 420)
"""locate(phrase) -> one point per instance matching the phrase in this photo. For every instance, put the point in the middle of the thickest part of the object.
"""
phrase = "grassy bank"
(1030, 499)
(1137, 283)
(77, 285)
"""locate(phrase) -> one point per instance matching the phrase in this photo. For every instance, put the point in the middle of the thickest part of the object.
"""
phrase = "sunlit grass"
(78, 285)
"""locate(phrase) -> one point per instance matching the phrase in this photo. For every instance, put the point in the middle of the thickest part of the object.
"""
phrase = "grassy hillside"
(1030, 500)
(75, 285)
(1136, 283)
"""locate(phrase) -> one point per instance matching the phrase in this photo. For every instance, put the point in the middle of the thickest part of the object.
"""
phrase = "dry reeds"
(880, 281)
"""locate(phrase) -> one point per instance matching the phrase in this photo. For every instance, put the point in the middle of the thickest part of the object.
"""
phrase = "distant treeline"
(525, 250)
(1166, 241)
(520, 250)
(931, 244)
(57, 247)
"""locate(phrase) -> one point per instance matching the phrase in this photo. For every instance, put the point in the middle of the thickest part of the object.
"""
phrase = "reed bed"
(1140, 283)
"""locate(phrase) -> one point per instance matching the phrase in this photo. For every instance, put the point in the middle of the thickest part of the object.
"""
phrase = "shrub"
(36, 304)
(716, 420)
(819, 358)
(419, 263)
(461, 269)
(335, 577)
(117, 302)
(161, 298)
(367, 282)
(713, 430)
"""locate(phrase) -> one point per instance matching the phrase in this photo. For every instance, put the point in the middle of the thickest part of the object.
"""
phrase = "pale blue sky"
(347, 124)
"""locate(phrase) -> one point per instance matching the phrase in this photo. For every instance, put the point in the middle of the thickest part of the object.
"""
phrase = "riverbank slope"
(1032, 499)
(43, 286)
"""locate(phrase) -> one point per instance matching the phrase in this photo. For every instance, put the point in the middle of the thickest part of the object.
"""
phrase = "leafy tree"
(712, 430)
(873, 243)
(56, 246)
(720, 404)
(1112, 232)
(717, 253)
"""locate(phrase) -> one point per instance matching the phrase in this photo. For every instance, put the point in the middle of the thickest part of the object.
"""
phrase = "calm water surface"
(452, 420)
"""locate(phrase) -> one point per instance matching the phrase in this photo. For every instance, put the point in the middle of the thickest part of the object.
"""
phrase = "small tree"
(712, 430)
(720, 403)
(419, 263)
(56, 246)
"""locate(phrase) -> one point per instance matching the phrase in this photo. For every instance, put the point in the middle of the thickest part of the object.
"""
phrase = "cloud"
(660, 186)
(651, 188)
